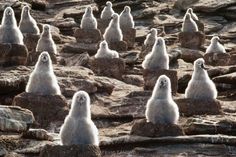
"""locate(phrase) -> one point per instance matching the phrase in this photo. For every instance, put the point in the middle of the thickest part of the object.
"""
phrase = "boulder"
(190, 55)
(120, 46)
(148, 129)
(190, 107)
(191, 40)
(47, 109)
(129, 37)
(70, 151)
(87, 36)
(110, 67)
(145, 50)
(217, 59)
(151, 76)
(15, 119)
(13, 54)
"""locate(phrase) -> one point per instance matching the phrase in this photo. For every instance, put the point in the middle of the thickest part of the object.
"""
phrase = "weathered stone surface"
(71, 59)
(102, 24)
(114, 67)
(190, 55)
(38, 4)
(80, 48)
(13, 54)
(151, 76)
(129, 37)
(130, 57)
(191, 40)
(46, 109)
(120, 46)
(144, 128)
(15, 119)
(134, 80)
(190, 107)
(145, 50)
(71, 151)
(87, 36)
(227, 78)
(38, 134)
(207, 6)
(217, 59)
(200, 25)
(210, 124)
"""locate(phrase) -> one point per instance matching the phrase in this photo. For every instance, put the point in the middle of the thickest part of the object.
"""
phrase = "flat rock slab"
(13, 79)
(71, 151)
(130, 142)
(191, 40)
(210, 124)
(148, 129)
(88, 36)
(80, 48)
(111, 67)
(226, 79)
(46, 109)
(190, 107)
(13, 54)
(151, 76)
(217, 59)
(15, 119)
(120, 46)
(37, 134)
(207, 6)
(190, 55)
(129, 37)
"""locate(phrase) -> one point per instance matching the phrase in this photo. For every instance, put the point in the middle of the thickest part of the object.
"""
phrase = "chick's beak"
(203, 67)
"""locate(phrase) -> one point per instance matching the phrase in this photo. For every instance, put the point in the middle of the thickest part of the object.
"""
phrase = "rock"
(190, 107)
(134, 80)
(217, 59)
(102, 25)
(71, 59)
(46, 109)
(191, 40)
(130, 57)
(104, 85)
(15, 119)
(38, 4)
(38, 134)
(190, 55)
(206, 6)
(200, 25)
(13, 79)
(226, 79)
(148, 129)
(13, 54)
(71, 85)
(80, 48)
(3, 151)
(151, 76)
(71, 151)
(114, 67)
(129, 37)
(66, 25)
(87, 36)
(118, 46)
(210, 124)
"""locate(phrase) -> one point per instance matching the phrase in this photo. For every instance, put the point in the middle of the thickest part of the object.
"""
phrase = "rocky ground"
(118, 104)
